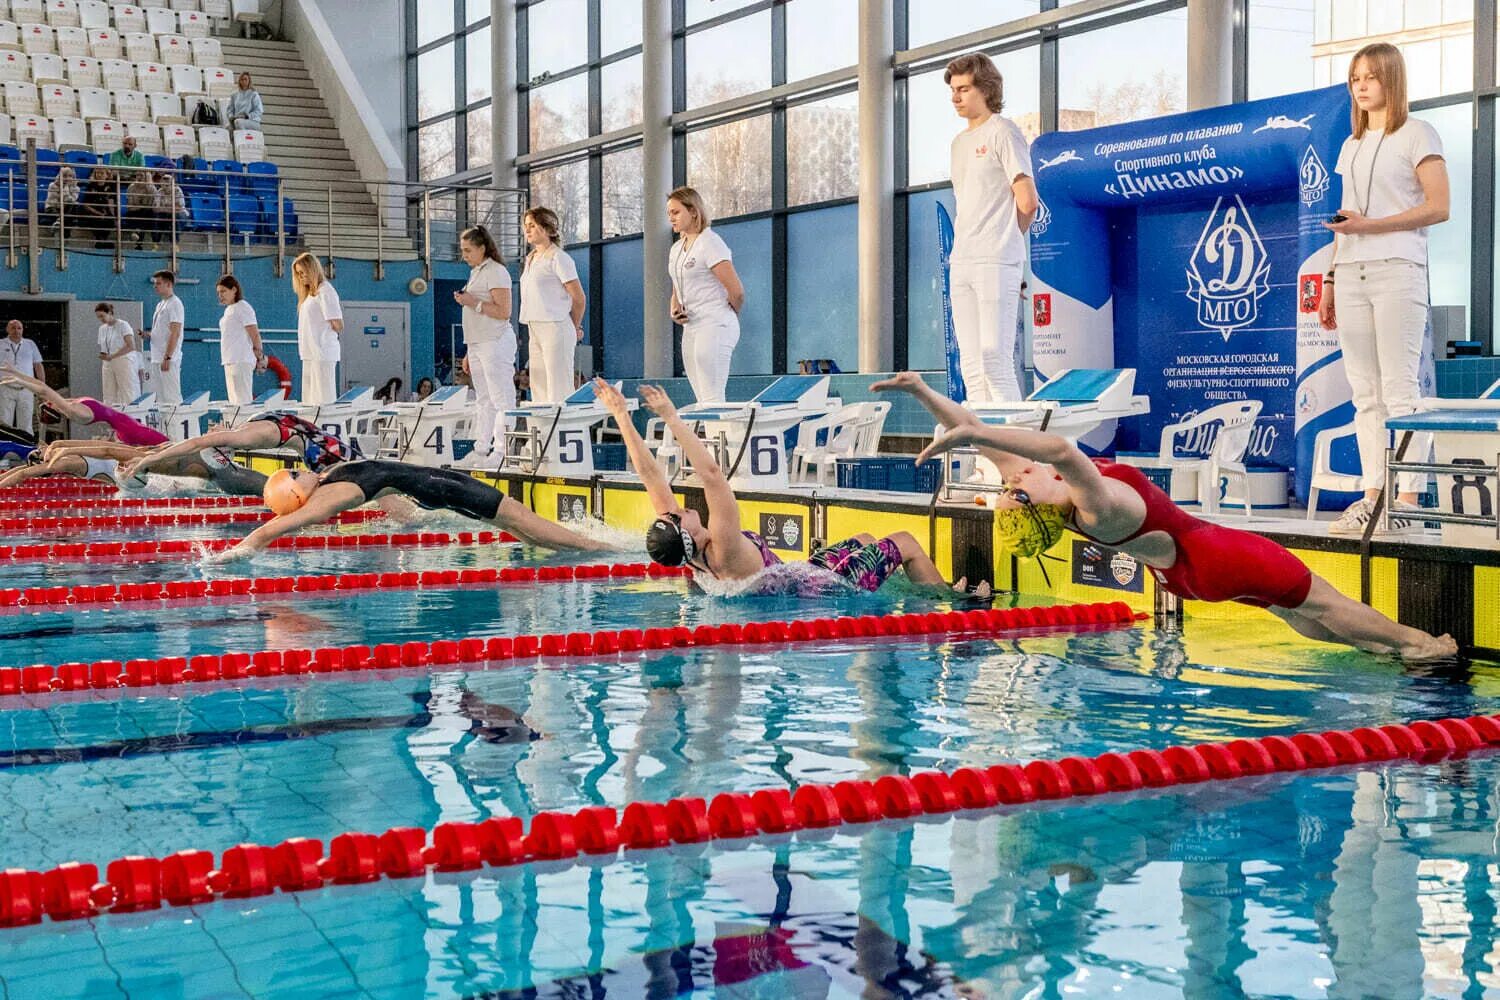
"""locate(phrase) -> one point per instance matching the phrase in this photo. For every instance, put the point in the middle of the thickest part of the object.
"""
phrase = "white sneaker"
(1354, 518)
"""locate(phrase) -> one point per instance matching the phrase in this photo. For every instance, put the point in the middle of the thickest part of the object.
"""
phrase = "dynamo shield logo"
(1230, 270)
(1313, 177)
(1043, 219)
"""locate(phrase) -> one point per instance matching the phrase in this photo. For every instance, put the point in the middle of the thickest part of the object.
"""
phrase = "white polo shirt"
(317, 340)
(234, 340)
(1379, 174)
(543, 297)
(691, 265)
(986, 162)
(478, 327)
(112, 336)
(22, 355)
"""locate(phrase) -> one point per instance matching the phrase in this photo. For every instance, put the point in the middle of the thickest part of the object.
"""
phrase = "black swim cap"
(667, 543)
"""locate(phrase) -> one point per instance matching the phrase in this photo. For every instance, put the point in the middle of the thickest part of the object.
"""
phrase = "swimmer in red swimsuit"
(1049, 485)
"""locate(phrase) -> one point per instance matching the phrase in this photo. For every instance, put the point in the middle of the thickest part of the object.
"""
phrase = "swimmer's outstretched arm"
(61, 465)
(517, 518)
(254, 434)
(646, 466)
(947, 412)
(64, 405)
(723, 508)
(1090, 492)
(93, 449)
(327, 501)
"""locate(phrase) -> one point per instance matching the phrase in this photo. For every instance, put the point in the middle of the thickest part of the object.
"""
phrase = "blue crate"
(896, 474)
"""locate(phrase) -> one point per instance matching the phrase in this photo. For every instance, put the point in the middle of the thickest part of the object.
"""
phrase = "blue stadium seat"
(47, 163)
(261, 178)
(10, 160)
(244, 215)
(235, 169)
(82, 161)
(160, 162)
(207, 212)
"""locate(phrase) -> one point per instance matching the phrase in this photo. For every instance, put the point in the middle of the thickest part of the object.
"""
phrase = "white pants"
(121, 385)
(1381, 311)
(707, 347)
(985, 298)
(492, 367)
(17, 408)
(239, 382)
(166, 384)
(551, 365)
(318, 384)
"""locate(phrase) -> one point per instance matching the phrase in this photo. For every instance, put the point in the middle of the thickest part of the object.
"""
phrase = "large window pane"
(729, 61)
(924, 291)
(565, 190)
(623, 302)
(556, 38)
(702, 10)
(1103, 80)
(935, 20)
(730, 165)
(478, 61)
(434, 20)
(1449, 253)
(822, 150)
(932, 122)
(619, 25)
(435, 149)
(750, 243)
(435, 76)
(1436, 37)
(822, 286)
(620, 91)
(476, 11)
(1281, 41)
(624, 190)
(559, 112)
(481, 139)
(821, 35)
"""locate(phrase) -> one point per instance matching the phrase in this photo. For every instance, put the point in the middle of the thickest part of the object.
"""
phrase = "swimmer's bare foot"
(982, 589)
(961, 585)
(1440, 647)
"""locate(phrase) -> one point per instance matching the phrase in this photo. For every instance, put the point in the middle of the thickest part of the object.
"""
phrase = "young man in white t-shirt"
(996, 199)
(164, 373)
(17, 404)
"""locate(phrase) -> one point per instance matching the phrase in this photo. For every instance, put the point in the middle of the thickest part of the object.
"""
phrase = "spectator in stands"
(63, 195)
(140, 210)
(391, 391)
(245, 106)
(320, 321)
(425, 387)
(100, 206)
(170, 205)
(127, 155)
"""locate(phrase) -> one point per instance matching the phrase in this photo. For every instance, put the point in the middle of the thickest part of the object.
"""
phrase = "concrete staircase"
(303, 142)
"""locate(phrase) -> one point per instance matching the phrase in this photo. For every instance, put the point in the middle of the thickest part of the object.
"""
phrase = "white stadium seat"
(93, 14)
(106, 135)
(147, 137)
(187, 80)
(58, 99)
(20, 98)
(218, 10)
(62, 13)
(48, 67)
(10, 35)
(194, 24)
(161, 21)
(5, 129)
(179, 141)
(166, 109)
(140, 47)
(14, 66)
(215, 143)
(83, 71)
(104, 43)
(218, 81)
(184, 5)
(69, 133)
(208, 52)
(94, 102)
(118, 74)
(175, 49)
(129, 18)
(38, 38)
(249, 146)
(72, 42)
(153, 78)
(32, 127)
(132, 105)
(27, 11)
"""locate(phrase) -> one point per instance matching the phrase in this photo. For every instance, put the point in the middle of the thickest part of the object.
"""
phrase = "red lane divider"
(106, 674)
(193, 519)
(105, 550)
(73, 890)
(58, 485)
(131, 503)
(178, 590)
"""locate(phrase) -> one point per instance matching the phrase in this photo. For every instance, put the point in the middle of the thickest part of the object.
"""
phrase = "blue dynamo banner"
(1191, 248)
(956, 390)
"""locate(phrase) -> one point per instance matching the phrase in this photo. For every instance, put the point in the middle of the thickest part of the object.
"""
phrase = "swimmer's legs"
(1330, 616)
(918, 564)
(514, 517)
(66, 465)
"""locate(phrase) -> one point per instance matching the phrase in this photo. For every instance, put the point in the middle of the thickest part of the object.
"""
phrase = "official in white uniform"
(996, 200)
(240, 350)
(552, 307)
(706, 295)
(320, 321)
(1395, 185)
(116, 347)
(164, 373)
(18, 404)
(491, 358)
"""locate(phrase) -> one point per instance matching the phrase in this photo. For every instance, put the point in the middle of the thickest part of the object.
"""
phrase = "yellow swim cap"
(1030, 530)
(283, 493)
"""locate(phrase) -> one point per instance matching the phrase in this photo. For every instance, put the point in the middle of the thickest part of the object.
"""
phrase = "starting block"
(559, 437)
(422, 433)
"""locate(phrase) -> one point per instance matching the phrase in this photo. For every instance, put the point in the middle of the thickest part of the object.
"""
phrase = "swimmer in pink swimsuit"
(1052, 485)
(85, 410)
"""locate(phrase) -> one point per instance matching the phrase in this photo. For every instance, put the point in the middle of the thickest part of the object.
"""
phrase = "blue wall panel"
(624, 298)
(750, 243)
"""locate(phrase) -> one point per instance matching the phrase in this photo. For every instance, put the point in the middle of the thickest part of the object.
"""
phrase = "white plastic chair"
(94, 102)
(183, 5)
(5, 129)
(104, 43)
(83, 71)
(249, 146)
(129, 18)
(1218, 437)
(246, 12)
(218, 81)
(187, 80)
(161, 21)
(27, 11)
(47, 67)
(69, 132)
(152, 78)
(218, 10)
(214, 143)
(166, 109)
(62, 13)
(10, 35)
(72, 41)
(20, 98)
(179, 140)
(14, 66)
(147, 137)
(93, 14)
(1323, 475)
(58, 99)
(106, 135)
(29, 127)
(175, 50)
(132, 106)
(139, 46)
(853, 431)
(37, 38)
(194, 24)
(207, 52)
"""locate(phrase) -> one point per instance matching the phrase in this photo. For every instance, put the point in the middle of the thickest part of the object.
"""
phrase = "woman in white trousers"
(1395, 185)
(552, 307)
(240, 352)
(706, 295)
(116, 347)
(491, 358)
(320, 321)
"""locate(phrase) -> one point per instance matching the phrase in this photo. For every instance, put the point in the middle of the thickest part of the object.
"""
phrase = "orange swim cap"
(283, 494)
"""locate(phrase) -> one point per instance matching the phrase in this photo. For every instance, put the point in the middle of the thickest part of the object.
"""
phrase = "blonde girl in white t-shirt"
(706, 295)
(320, 321)
(552, 306)
(1395, 186)
(491, 358)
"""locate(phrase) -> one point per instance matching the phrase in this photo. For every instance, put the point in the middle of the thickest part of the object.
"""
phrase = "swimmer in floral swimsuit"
(716, 545)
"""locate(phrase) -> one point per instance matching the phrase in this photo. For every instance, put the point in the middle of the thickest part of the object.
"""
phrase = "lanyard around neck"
(1364, 209)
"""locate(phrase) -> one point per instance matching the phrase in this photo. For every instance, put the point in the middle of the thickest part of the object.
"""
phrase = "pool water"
(1370, 881)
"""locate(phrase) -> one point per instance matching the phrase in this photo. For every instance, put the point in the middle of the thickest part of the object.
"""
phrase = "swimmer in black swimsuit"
(319, 450)
(305, 498)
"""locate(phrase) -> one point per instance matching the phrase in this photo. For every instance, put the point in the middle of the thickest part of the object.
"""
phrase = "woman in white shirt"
(552, 306)
(240, 350)
(116, 354)
(320, 320)
(491, 358)
(706, 295)
(1395, 185)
